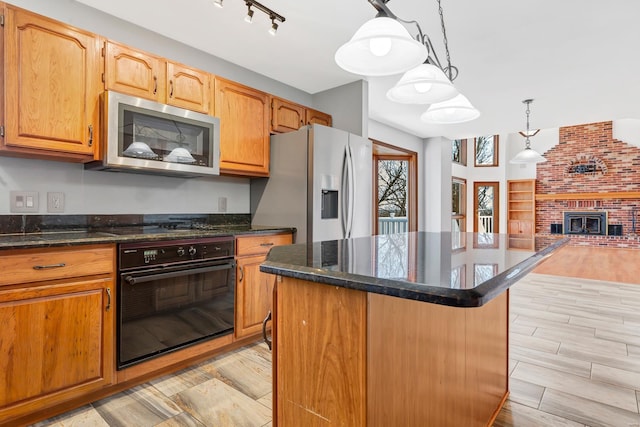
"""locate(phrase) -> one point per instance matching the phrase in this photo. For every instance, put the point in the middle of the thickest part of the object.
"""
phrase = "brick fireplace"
(590, 174)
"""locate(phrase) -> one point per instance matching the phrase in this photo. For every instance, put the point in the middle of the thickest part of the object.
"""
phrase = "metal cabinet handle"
(90, 135)
(170, 88)
(264, 330)
(241, 269)
(267, 244)
(108, 299)
(155, 85)
(45, 267)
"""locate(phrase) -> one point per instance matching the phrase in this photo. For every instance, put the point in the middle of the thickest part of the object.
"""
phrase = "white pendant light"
(424, 84)
(456, 110)
(528, 155)
(382, 46)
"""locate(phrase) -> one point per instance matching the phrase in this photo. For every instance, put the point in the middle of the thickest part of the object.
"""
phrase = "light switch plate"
(23, 201)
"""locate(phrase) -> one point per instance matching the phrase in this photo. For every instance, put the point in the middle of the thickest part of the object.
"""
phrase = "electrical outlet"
(55, 202)
(222, 204)
(23, 201)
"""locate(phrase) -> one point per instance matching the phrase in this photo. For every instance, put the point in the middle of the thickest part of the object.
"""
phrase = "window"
(395, 189)
(458, 204)
(459, 151)
(486, 207)
(486, 150)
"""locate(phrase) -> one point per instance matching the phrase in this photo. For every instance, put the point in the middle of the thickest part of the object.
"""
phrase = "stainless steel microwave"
(143, 136)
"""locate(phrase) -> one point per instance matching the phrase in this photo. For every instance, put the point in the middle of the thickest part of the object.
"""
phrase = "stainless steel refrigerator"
(320, 182)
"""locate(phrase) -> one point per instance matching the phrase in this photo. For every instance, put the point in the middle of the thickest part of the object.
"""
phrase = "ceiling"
(578, 59)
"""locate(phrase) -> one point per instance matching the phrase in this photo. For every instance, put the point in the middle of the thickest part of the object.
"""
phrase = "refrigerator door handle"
(344, 198)
(352, 190)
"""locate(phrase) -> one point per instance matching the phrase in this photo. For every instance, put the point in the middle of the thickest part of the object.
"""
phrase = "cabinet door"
(57, 343)
(244, 129)
(52, 82)
(254, 291)
(318, 117)
(189, 88)
(286, 116)
(134, 72)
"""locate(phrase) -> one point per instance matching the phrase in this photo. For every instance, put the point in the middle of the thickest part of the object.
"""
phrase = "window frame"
(496, 144)
(462, 215)
(462, 150)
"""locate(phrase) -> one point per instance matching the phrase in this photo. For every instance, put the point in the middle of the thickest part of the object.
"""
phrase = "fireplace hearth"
(590, 222)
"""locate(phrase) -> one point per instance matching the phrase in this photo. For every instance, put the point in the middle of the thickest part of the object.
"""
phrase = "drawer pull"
(266, 244)
(45, 267)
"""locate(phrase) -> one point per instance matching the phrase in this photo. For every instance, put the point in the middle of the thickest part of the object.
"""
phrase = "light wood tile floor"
(574, 361)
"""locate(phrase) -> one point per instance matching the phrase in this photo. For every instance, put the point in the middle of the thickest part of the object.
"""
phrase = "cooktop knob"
(192, 251)
(181, 251)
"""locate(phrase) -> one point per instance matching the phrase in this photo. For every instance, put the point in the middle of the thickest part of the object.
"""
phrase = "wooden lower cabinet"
(253, 288)
(57, 339)
(346, 357)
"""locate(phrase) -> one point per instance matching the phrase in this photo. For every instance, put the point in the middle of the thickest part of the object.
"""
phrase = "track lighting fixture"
(383, 46)
(262, 8)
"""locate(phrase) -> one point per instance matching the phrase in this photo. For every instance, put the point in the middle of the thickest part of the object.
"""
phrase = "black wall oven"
(173, 294)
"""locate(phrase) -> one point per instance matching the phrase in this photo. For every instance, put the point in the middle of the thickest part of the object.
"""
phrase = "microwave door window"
(160, 138)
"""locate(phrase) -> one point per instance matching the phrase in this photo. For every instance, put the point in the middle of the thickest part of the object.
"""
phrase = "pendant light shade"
(382, 46)
(528, 155)
(456, 110)
(424, 84)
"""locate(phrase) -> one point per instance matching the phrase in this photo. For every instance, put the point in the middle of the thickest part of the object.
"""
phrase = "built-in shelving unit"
(521, 213)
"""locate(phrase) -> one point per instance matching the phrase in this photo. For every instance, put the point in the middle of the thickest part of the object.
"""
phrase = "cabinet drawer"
(34, 265)
(261, 244)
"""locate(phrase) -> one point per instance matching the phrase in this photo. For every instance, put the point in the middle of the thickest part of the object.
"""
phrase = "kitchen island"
(407, 329)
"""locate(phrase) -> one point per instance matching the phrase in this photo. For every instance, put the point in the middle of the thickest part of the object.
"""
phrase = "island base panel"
(443, 365)
(320, 355)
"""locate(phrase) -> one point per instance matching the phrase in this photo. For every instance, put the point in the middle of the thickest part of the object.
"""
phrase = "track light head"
(249, 17)
(274, 26)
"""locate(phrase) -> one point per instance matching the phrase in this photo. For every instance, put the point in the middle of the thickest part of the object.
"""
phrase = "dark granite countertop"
(20, 232)
(454, 269)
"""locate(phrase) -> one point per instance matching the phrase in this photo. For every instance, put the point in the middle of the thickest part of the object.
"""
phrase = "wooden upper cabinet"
(244, 128)
(52, 88)
(189, 88)
(318, 117)
(286, 116)
(134, 72)
(138, 73)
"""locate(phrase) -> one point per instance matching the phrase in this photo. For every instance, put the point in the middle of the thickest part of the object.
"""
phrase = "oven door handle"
(133, 280)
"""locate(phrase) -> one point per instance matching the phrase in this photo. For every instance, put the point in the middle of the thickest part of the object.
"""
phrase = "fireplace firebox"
(590, 222)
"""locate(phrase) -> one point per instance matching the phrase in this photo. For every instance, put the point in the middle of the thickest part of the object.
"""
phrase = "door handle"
(108, 299)
(264, 330)
(241, 269)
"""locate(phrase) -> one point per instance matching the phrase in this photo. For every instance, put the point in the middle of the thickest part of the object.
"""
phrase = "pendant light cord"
(528, 111)
(451, 71)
